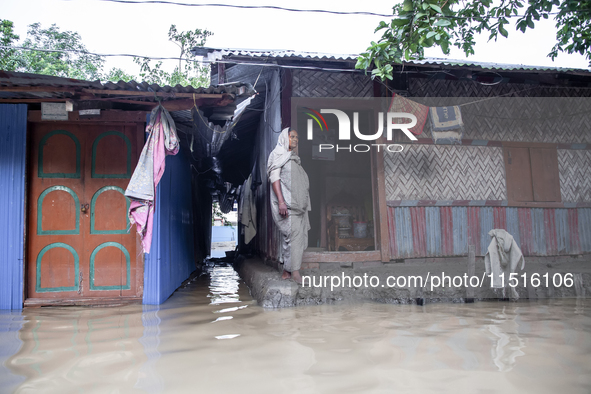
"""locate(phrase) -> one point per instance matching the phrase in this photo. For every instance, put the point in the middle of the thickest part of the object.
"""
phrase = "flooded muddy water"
(211, 337)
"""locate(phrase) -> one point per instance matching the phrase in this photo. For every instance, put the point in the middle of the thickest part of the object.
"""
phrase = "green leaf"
(503, 31)
(431, 34)
(399, 22)
(407, 5)
(381, 26)
(436, 8)
(442, 23)
(530, 23)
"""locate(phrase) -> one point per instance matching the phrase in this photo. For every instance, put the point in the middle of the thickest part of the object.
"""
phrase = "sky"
(141, 29)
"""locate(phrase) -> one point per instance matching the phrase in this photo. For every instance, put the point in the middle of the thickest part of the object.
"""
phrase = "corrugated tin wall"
(13, 137)
(447, 231)
(267, 240)
(171, 259)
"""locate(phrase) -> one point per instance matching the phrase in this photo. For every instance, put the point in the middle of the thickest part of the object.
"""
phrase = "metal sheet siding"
(268, 238)
(550, 231)
(460, 230)
(487, 223)
(433, 227)
(524, 224)
(538, 232)
(562, 233)
(403, 232)
(392, 232)
(13, 137)
(500, 217)
(171, 259)
(417, 215)
(573, 230)
(447, 232)
(585, 229)
(474, 227)
(512, 217)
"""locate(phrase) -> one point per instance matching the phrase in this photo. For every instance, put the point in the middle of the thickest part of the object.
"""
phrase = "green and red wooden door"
(78, 243)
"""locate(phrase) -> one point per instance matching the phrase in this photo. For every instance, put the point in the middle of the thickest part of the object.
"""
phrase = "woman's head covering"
(281, 154)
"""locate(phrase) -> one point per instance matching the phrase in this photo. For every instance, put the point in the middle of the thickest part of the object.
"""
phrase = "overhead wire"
(270, 7)
(278, 8)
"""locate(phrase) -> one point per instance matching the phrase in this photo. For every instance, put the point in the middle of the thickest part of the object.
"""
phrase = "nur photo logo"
(345, 125)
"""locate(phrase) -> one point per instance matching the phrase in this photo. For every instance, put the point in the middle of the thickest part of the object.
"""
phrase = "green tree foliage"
(73, 60)
(186, 73)
(117, 74)
(8, 60)
(420, 24)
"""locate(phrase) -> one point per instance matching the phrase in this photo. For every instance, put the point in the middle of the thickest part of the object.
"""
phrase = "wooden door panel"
(108, 211)
(58, 210)
(111, 155)
(114, 157)
(110, 267)
(58, 269)
(518, 174)
(78, 244)
(54, 237)
(545, 176)
(59, 154)
(113, 267)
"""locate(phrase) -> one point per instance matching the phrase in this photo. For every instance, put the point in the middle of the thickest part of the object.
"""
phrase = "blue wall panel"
(562, 233)
(538, 231)
(460, 220)
(13, 139)
(171, 259)
(513, 224)
(433, 227)
(403, 232)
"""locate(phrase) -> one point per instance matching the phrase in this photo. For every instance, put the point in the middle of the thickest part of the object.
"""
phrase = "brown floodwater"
(211, 337)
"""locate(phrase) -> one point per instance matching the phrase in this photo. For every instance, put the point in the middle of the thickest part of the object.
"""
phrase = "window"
(532, 174)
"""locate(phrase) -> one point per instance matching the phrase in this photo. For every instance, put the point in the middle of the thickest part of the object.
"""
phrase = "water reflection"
(10, 343)
(507, 344)
(149, 379)
(223, 287)
(174, 347)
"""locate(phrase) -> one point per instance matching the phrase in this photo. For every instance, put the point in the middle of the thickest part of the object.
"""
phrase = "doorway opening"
(341, 192)
(224, 230)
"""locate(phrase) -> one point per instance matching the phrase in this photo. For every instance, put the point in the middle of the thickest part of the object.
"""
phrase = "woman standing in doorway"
(290, 201)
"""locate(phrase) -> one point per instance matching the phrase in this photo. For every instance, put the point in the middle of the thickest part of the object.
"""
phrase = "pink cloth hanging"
(162, 141)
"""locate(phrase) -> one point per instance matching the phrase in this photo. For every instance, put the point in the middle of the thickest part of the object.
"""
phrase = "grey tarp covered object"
(248, 211)
(503, 257)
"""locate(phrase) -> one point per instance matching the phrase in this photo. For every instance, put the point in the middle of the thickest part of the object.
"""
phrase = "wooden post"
(221, 73)
(286, 93)
(470, 271)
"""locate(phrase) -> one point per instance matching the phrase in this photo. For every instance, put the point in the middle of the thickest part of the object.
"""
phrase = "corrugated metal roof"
(18, 86)
(214, 54)
(493, 66)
